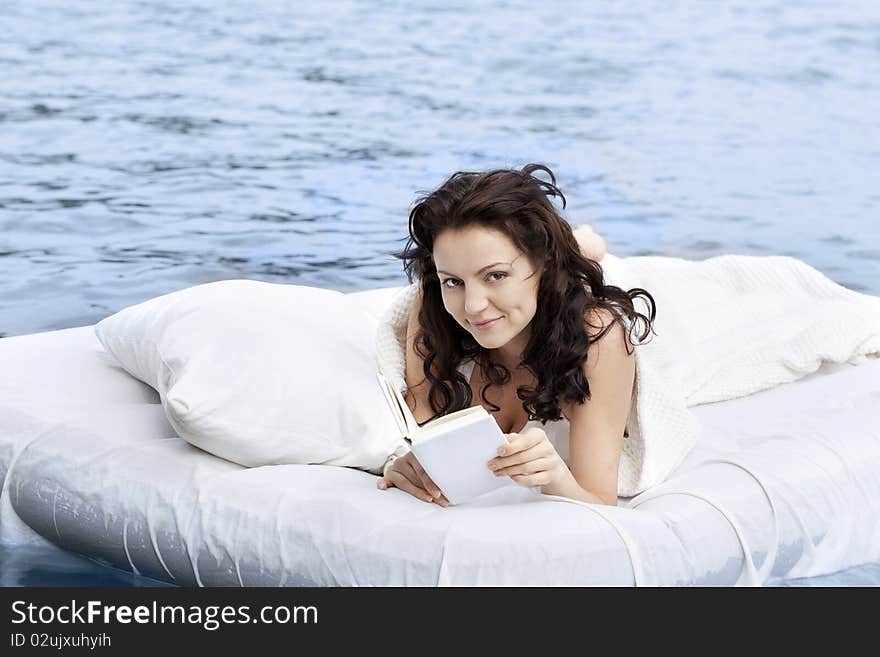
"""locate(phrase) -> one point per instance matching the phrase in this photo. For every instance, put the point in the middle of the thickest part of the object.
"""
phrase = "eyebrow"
(440, 271)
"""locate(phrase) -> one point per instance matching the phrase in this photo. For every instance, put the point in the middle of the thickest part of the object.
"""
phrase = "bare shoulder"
(609, 366)
(598, 426)
(614, 340)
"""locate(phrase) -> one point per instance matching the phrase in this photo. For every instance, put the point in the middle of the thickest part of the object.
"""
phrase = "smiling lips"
(485, 326)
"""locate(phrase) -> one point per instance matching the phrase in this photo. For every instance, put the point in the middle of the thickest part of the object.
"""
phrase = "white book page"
(446, 423)
(393, 405)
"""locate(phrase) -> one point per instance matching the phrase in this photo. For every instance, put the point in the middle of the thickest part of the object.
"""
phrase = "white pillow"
(259, 373)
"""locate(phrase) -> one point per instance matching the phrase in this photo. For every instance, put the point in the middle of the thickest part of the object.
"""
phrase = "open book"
(453, 449)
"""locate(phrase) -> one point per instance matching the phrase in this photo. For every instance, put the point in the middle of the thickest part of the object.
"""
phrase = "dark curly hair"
(517, 204)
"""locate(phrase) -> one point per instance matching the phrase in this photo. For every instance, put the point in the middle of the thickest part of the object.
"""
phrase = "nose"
(475, 301)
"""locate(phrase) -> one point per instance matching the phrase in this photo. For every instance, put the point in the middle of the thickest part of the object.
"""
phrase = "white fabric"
(726, 327)
(59, 381)
(781, 484)
(259, 373)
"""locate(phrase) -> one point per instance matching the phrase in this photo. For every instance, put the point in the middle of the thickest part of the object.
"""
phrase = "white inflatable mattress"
(782, 484)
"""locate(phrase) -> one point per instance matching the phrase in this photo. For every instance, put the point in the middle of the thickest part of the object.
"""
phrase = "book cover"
(453, 449)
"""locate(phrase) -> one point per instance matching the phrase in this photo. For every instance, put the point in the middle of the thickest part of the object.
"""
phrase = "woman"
(513, 310)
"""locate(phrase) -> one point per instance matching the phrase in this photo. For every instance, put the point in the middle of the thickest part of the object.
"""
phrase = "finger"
(537, 479)
(431, 487)
(426, 481)
(529, 467)
(405, 465)
(387, 482)
(530, 454)
(522, 441)
(408, 486)
(398, 466)
(419, 478)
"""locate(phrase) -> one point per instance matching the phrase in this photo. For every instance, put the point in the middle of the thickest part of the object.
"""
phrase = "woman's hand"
(407, 474)
(530, 459)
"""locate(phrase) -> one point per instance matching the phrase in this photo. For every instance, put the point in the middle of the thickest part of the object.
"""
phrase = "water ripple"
(159, 145)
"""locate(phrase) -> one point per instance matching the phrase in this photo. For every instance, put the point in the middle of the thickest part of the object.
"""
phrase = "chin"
(490, 342)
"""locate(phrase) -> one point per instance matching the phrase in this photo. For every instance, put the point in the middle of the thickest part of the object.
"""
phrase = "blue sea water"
(48, 565)
(149, 146)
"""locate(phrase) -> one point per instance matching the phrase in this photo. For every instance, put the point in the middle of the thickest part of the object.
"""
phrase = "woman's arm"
(597, 425)
(596, 429)
(404, 471)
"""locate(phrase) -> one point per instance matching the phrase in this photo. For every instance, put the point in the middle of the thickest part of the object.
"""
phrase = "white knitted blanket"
(726, 327)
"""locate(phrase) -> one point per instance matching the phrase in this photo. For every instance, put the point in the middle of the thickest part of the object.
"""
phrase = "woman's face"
(484, 276)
